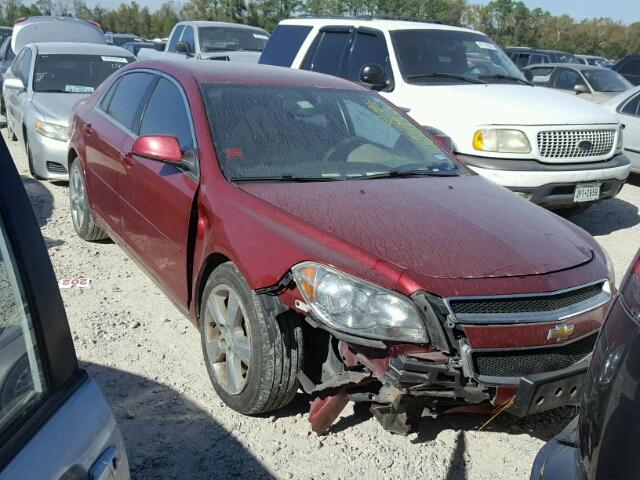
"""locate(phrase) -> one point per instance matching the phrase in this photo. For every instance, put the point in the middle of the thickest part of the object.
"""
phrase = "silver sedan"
(627, 107)
(40, 89)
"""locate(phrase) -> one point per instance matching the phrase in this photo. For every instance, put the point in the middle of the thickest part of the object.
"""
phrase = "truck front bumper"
(552, 185)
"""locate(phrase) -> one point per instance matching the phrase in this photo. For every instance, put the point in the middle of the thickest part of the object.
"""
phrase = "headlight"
(620, 137)
(353, 306)
(499, 140)
(51, 130)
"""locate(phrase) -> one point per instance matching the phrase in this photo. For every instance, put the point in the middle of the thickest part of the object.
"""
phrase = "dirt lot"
(146, 358)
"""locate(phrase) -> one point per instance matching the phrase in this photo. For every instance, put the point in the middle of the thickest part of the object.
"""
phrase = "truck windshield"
(452, 56)
(214, 39)
(66, 73)
(316, 134)
(605, 80)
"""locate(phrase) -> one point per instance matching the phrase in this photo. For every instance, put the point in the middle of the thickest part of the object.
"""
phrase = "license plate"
(587, 192)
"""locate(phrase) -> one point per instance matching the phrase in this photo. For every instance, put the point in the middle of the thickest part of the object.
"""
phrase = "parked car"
(595, 61)
(134, 47)
(54, 421)
(212, 41)
(557, 151)
(119, 39)
(6, 59)
(318, 233)
(629, 68)
(594, 444)
(595, 84)
(5, 32)
(523, 56)
(41, 29)
(40, 89)
(627, 107)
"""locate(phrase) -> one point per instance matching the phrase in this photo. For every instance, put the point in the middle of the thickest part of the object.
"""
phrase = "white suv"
(556, 150)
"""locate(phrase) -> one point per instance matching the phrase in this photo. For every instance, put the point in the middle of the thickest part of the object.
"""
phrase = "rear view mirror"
(14, 83)
(580, 88)
(373, 75)
(182, 47)
(163, 148)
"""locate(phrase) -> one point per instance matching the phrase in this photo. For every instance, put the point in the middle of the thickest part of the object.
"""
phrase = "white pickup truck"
(211, 41)
(558, 151)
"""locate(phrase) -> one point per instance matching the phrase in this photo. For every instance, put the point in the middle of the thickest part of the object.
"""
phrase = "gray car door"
(54, 422)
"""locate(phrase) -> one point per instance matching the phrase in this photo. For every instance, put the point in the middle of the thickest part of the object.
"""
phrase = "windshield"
(74, 73)
(437, 56)
(606, 80)
(216, 39)
(273, 133)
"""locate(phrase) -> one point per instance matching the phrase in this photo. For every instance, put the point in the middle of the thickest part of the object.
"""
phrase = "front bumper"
(559, 458)
(49, 157)
(552, 185)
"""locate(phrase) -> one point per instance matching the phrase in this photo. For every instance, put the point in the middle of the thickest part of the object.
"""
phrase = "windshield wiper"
(501, 76)
(284, 178)
(464, 78)
(51, 90)
(399, 173)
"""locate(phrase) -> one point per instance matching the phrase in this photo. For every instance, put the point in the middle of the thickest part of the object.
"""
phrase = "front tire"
(32, 170)
(81, 215)
(252, 355)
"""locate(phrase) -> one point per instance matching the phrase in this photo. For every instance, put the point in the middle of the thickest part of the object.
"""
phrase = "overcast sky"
(626, 10)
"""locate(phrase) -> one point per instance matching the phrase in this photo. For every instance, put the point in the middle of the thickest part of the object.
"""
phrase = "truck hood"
(454, 227)
(57, 107)
(498, 104)
(233, 56)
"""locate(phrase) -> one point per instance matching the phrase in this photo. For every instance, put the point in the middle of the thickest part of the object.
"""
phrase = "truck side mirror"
(182, 47)
(373, 75)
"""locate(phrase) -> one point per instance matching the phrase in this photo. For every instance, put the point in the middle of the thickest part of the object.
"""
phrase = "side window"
(523, 60)
(187, 37)
(22, 381)
(631, 107)
(631, 66)
(328, 54)
(166, 114)
(368, 48)
(125, 103)
(567, 79)
(284, 44)
(175, 38)
(541, 75)
(106, 100)
(25, 65)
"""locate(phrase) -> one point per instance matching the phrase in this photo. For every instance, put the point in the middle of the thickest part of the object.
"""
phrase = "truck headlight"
(348, 304)
(51, 130)
(501, 140)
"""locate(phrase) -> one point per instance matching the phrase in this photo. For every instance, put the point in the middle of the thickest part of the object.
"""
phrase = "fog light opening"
(540, 400)
(558, 392)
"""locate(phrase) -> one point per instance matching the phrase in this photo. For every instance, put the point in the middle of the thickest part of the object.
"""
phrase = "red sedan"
(319, 238)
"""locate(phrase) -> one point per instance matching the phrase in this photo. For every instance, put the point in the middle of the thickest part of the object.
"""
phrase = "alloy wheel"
(77, 194)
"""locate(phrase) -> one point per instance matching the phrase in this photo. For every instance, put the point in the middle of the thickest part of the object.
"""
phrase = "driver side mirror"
(373, 75)
(14, 83)
(163, 148)
(182, 47)
(580, 88)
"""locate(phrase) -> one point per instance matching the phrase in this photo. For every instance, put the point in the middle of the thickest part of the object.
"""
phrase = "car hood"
(233, 56)
(57, 107)
(454, 227)
(500, 104)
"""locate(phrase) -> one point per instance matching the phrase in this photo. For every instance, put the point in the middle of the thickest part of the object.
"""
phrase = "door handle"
(106, 467)
(88, 129)
(127, 159)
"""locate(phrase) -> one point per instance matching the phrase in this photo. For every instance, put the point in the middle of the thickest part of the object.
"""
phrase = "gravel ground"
(146, 357)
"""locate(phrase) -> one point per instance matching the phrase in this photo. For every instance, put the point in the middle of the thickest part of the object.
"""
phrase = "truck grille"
(546, 359)
(526, 304)
(567, 143)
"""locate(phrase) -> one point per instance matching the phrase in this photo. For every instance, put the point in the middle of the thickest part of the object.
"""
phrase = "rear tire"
(252, 357)
(81, 215)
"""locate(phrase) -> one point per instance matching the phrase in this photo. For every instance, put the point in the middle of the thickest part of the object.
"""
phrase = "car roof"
(206, 23)
(543, 50)
(382, 24)
(237, 73)
(51, 48)
(575, 66)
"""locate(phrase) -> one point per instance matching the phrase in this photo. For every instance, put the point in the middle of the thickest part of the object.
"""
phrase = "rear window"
(283, 46)
(213, 39)
(74, 73)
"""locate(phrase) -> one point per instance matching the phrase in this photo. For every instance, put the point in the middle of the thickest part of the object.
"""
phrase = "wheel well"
(212, 262)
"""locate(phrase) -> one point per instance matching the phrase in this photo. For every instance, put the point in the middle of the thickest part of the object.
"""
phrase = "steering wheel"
(343, 147)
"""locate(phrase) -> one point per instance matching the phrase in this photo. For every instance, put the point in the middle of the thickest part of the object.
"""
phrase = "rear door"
(108, 136)
(54, 422)
(630, 118)
(159, 196)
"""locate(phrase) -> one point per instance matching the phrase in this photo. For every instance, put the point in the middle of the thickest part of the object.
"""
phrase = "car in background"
(312, 219)
(6, 59)
(134, 47)
(554, 150)
(629, 68)
(212, 41)
(54, 421)
(41, 29)
(595, 61)
(597, 444)
(40, 90)
(596, 84)
(119, 39)
(5, 32)
(523, 56)
(627, 107)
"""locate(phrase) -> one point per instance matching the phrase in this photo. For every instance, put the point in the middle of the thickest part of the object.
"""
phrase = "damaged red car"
(321, 240)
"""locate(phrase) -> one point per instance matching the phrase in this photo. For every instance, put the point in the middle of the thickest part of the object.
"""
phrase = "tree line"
(508, 22)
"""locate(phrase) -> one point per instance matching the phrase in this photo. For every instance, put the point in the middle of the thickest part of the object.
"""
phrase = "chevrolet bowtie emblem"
(561, 333)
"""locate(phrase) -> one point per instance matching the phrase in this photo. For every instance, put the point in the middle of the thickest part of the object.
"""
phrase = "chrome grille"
(565, 143)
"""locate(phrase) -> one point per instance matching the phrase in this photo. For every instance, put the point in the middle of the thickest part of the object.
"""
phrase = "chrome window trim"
(530, 317)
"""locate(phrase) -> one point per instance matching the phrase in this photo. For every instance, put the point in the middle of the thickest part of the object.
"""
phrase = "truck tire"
(81, 215)
(252, 355)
